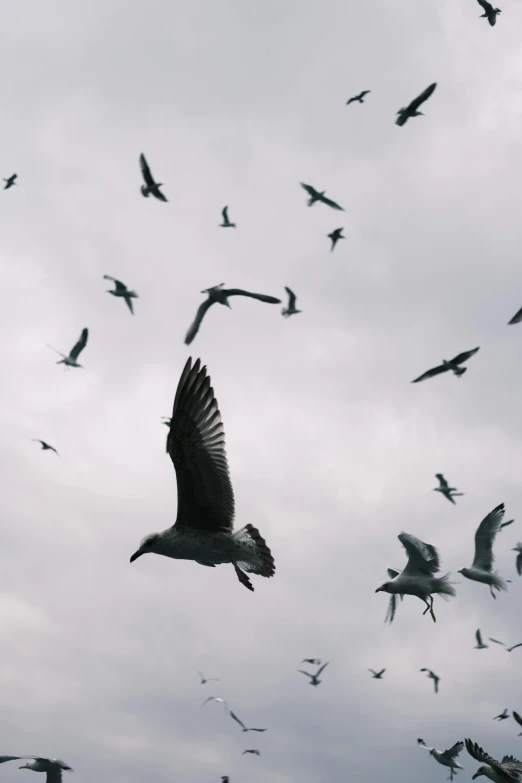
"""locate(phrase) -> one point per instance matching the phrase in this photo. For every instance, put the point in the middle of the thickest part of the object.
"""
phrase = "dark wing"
(147, 176)
(310, 190)
(496, 641)
(519, 563)
(234, 717)
(517, 718)
(442, 481)
(118, 284)
(454, 751)
(351, 100)
(331, 203)
(510, 767)
(196, 445)
(363, 93)
(484, 538)
(514, 647)
(194, 328)
(80, 345)
(423, 559)
(505, 524)
(128, 301)
(419, 100)
(158, 194)
(485, 5)
(291, 297)
(516, 318)
(379, 674)
(463, 357)
(13, 758)
(307, 673)
(225, 214)
(260, 297)
(321, 669)
(432, 373)
(478, 637)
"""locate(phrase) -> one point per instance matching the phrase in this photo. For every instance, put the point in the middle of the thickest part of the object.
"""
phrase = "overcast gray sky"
(332, 451)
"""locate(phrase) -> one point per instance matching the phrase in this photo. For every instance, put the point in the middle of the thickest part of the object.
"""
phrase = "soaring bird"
(518, 562)
(445, 489)
(509, 770)
(254, 752)
(518, 720)
(218, 700)
(150, 187)
(203, 530)
(10, 181)
(335, 236)
(480, 644)
(314, 678)
(448, 758)
(204, 680)
(226, 222)
(377, 675)
(312, 661)
(508, 649)
(359, 98)
(290, 309)
(489, 12)
(71, 360)
(392, 606)
(418, 578)
(243, 727)
(53, 767)
(120, 289)
(316, 195)
(412, 109)
(503, 715)
(432, 676)
(452, 365)
(45, 446)
(220, 294)
(482, 567)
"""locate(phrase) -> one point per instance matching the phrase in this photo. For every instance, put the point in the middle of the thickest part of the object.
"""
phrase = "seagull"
(509, 770)
(480, 644)
(392, 606)
(206, 679)
(220, 294)
(315, 195)
(10, 181)
(445, 489)
(335, 236)
(452, 365)
(518, 720)
(53, 767)
(518, 548)
(418, 577)
(434, 677)
(71, 360)
(150, 186)
(490, 13)
(359, 97)
(312, 661)
(448, 758)
(503, 715)
(122, 290)
(243, 727)
(203, 530)
(412, 109)
(226, 222)
(508, 649)
(377, 675)
(255, 752)
(314, 678)
(481, 570)
(45, 446)
(505, 524)
(290, 309)
(218, 699)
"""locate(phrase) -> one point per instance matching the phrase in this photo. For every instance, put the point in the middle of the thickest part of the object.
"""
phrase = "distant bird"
(482, 568)
(226, 222)
(312, 661)
(448, 758)
(505, 524)
(432, 676)
(53, 767)
(508, 649)
(509, 770)
(204, 680)
(503, 715)
(10, 181)
(518, 562)
(392, 606)
(377, 675)
(314, 678)
(418, 577)
(150, 187)
(220, 295)
(254, 752)
(480, 644)
(316, 195)
(412, 109)
(290, 309)
(359, 98)
(335, 236)
(489, 12)
(71, 360)
(225, 778)
(121, 289)
(218, 700)
(203, 530)
(518, 720)
(452, 365)
(45, 446)
(445, 489)
(240, 722)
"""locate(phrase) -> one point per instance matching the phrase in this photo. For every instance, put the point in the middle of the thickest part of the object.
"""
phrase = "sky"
(332, 450)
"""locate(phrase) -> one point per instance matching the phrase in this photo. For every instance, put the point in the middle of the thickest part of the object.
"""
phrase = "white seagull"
(206, 679)
(482, 568)
(120, 289)
(509, 770)
(53, 767)
(432, 676)
(518, 548)
(226, 222)
(448, 758)
(314, 678)
(72, 359)
(243, 727)
(480, 644)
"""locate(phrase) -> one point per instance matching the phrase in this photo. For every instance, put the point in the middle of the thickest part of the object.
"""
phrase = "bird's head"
(431, 751)
(149, 544)
(25, 766)
(483, 770)
(385, 588)
(110, 292)
(463, 571)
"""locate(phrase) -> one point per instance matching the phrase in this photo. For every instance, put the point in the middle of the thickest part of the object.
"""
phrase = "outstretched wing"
(80, 345)
(454, 751)
(363, 93)
(312, 192)
(432, 373)
(516, 318)
(517, 718)
(196, 445)
(330, 203)
(484, 538)
(460, 358)
(514, 647)
(485, 5)
(260, 297)
(291, 298)
(307, 673)
(351, 100)
(323, 667)
(194, 328)
(423, 559)
(419, 100)
(234, 717)
(146, 173)
(478, 637)
(118, 284)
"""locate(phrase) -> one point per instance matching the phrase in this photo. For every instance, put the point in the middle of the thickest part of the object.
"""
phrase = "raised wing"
(517, 718)
(323, 667)
(260, 297)
(423, 559)
(496, 641)
(307, 673)
(291, 298)
(488, 8)
(478, 637)
(146, 173)
(225, 215)
(196, 445)
(312, 192)
(509, 768)
(516, 318)
(80, 345)
(464, 356)
(432, 373)
(234, 717)
(484, 538)
(443, 484)
(330, 203)
(379, 674)
(514, 647)
(194, 328)
(419, 100)
(363, 93)
(454, 751)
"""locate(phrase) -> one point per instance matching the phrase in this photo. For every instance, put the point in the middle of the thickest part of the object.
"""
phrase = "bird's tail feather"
(258, 558)
(444, 587)
(498, 582)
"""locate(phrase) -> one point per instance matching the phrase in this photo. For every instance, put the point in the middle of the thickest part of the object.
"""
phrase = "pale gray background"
(332, 451)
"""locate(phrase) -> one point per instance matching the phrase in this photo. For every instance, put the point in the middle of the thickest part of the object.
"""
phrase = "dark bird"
(508, 649)
(150, 187)
(434, 677)
(290, 309)
(314, 678)
(445, 489)
(503, 715)
(312, 661)
(490, 13)
(45, 446)
(377, 675)
(518, 720)
(53, 767)
(518, 562)
(220, 294)
(204, 527)
(412, 109)
(452, 365)
(335, 236)
(482, 566)
(226, 222)
(225, 778)
(505, 524)
(243, 727)
(71, 360)
(480, 644)
(509, 770)
(120, 289)
(254, 752)
(315, 195)
(359, 98)
(204, 680)
(10, 181)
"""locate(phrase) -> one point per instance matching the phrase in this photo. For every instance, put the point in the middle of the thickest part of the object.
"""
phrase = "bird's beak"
(476, 775)
(379, 590)
(135, 556)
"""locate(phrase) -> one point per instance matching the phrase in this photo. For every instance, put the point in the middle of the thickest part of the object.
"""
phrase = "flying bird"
(314, 678)
(226, 222)
(518, 562)
(452, 365)
(377, 675)
(150, 187)
(432, 676)
(220, 295)
(448, 758)
(120, 289)
(482, 567)
(290, 309)
(490, 14)
(10, 181)
(312, 661)
(219, 701)
(335, 236)
(480, 644)
(508, 649)
(203, 530)
(254, 752)
(503, 715)
(316, 195)
(204, 680)
(509, 770)
(243, 727)
(45, 446)
(71, 360)
(518, 720)
(413, 109)
(418, 577)
(445, 489)
(359, 98)
(53, 767)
